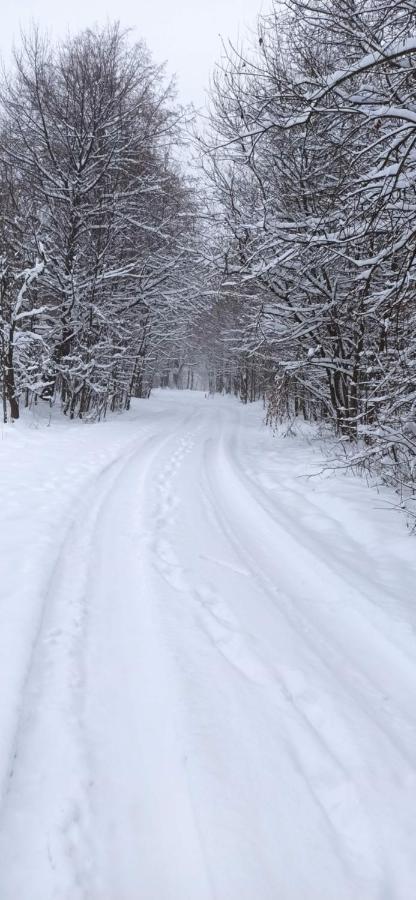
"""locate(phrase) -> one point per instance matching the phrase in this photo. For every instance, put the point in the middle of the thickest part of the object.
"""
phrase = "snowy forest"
(280, 261)
(208, 450)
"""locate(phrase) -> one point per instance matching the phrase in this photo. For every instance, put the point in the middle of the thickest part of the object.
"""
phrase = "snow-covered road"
(208, 666)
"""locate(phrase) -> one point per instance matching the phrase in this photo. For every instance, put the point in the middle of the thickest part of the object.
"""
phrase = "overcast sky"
(185, 33)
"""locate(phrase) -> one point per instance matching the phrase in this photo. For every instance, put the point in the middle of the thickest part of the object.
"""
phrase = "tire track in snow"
(51, 714)
(148, 841)
(327, 731)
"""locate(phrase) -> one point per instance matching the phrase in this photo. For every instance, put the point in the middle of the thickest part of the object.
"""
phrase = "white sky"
(185, 33)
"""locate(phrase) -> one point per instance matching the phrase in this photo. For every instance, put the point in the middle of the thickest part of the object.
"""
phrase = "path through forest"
(208, 666)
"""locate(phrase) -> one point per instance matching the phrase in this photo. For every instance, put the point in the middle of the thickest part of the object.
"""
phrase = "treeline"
(95, 223)
(285, 270)
(310, 157)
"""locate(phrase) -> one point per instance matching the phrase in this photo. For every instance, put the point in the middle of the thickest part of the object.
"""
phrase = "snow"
(207, 663)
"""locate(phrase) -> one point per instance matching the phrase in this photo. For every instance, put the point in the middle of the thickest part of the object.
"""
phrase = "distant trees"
(311, 161)
(94, 221)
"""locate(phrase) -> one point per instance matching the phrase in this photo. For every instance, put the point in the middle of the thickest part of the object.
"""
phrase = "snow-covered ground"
(207, 665)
